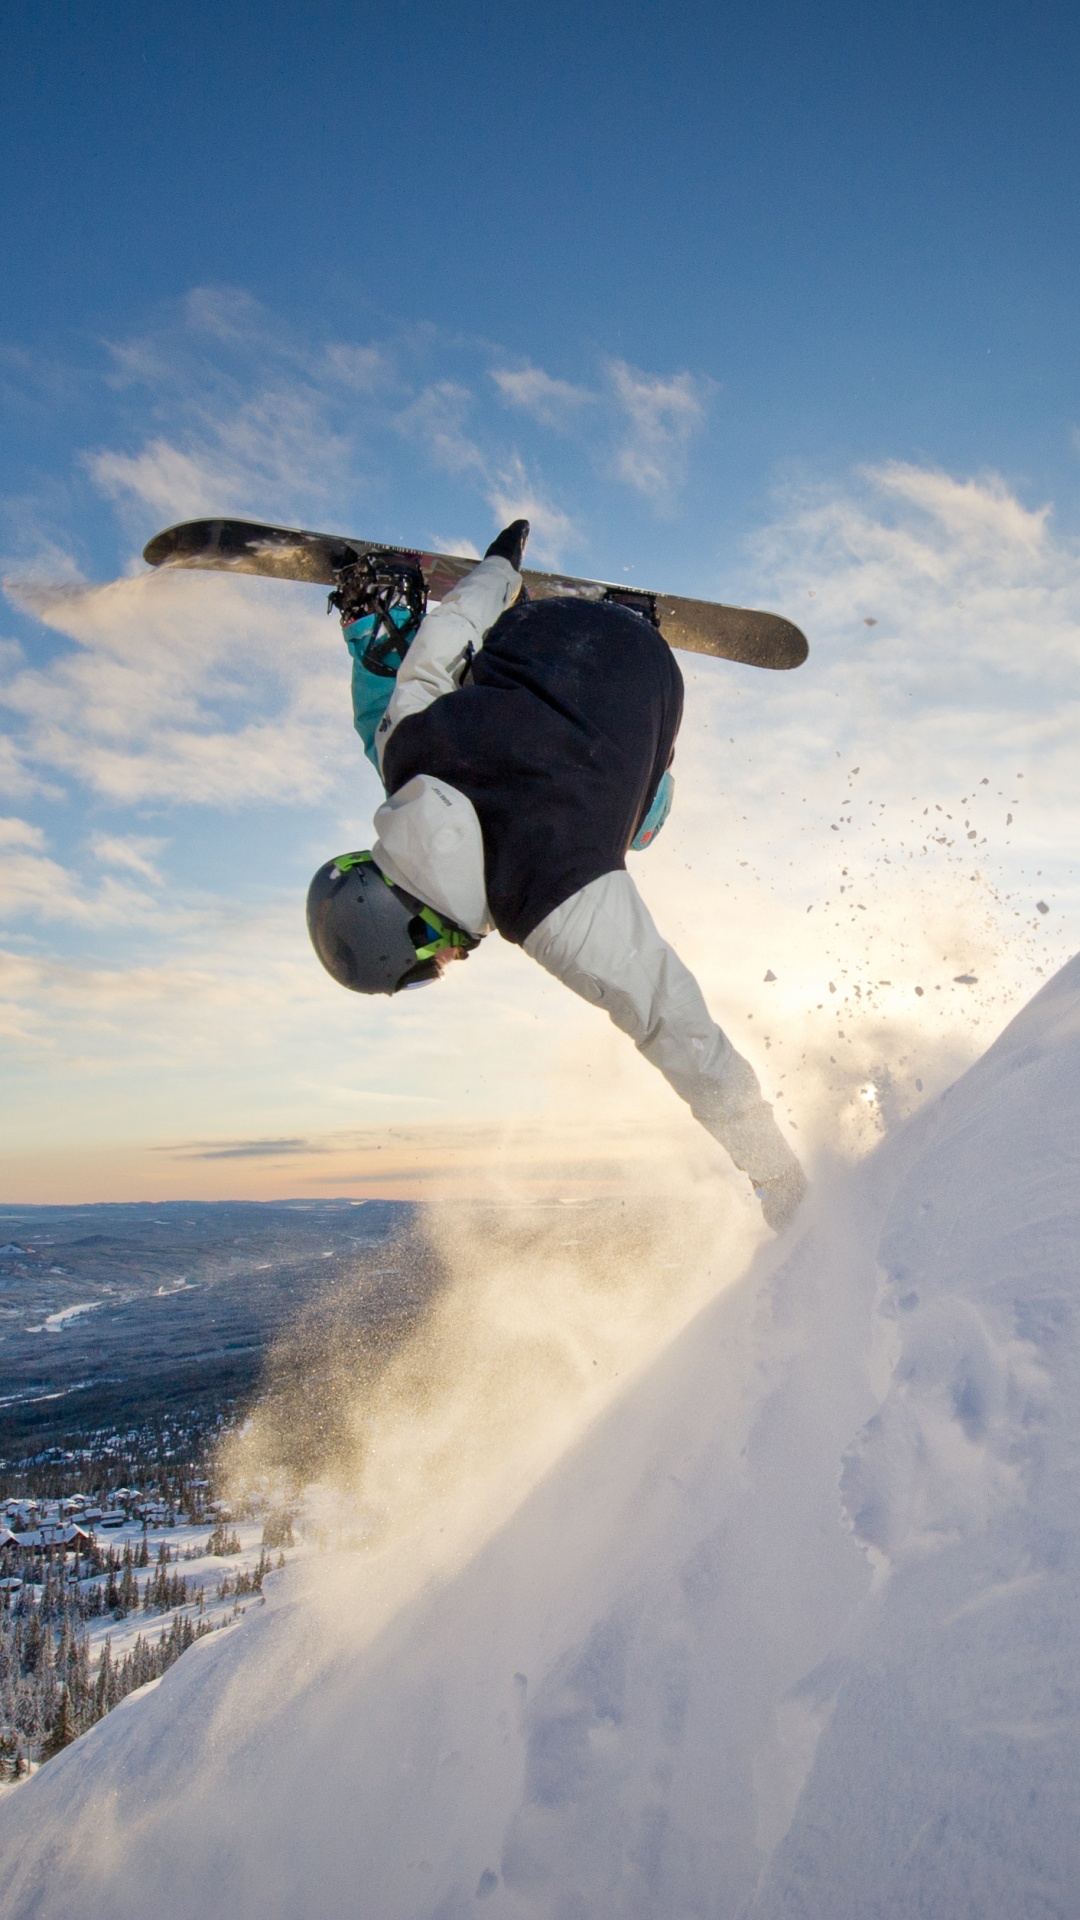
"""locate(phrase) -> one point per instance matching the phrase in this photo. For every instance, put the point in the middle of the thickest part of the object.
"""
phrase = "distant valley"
(128, 1314)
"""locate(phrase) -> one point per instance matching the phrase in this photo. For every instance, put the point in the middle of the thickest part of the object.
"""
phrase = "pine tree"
(104, 1695)
(278, 1530)
(64, 1653)
(129, 1586)
(30, 1640)
(62, 1731)
(222, 1542)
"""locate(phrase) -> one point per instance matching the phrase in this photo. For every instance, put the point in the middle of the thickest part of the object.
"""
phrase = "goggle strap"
(344, 862)
(447, 936)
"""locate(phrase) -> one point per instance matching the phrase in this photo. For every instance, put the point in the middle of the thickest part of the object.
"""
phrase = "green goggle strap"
(445, 936)
(344, 862)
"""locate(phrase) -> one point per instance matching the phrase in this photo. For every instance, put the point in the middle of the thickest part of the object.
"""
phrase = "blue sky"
(859, 222)
(762, 303)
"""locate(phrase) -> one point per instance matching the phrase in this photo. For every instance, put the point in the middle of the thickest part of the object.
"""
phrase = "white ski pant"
(602, 942)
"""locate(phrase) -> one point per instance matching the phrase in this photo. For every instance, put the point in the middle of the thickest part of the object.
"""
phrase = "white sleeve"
(604, 945)
(430, 843)
(446, 640)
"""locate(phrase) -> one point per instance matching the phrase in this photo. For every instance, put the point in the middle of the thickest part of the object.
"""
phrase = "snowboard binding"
(634, 602)
(387, 588)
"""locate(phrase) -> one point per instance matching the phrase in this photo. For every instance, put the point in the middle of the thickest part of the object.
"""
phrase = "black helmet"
(372, 936)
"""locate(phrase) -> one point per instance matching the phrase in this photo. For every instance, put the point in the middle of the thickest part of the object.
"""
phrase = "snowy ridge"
(793, 1631)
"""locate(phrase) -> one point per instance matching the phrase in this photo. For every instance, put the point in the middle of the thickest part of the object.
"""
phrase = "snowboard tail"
(284, 553)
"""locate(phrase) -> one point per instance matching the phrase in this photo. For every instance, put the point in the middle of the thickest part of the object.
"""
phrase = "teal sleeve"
(370, 699)
(371, 691)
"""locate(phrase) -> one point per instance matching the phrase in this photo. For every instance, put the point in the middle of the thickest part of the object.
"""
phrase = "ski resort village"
(96, 1601)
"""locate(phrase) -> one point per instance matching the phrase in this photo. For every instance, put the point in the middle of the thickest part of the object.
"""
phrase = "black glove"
(510, 544)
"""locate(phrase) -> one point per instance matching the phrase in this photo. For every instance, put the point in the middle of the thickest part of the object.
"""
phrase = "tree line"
(50, 1691)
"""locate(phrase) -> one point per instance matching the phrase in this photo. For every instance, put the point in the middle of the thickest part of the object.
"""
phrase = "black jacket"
(559, 739)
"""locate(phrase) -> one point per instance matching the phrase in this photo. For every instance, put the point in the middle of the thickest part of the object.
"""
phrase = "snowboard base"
(286, 553)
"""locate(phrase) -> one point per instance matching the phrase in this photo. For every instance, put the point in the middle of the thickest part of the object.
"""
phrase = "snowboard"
(283, 553)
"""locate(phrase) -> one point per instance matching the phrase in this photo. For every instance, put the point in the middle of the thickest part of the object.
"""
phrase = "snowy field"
(792, 1630)
(214, 1573)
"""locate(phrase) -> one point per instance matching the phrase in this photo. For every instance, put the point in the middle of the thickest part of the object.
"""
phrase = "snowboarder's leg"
(446, 640)
(603, 944)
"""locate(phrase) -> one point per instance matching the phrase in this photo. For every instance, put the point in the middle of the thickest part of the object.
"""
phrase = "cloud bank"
(868, 863)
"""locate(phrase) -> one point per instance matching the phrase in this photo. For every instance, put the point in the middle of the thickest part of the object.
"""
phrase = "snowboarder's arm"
(603, 944)
(446, 641)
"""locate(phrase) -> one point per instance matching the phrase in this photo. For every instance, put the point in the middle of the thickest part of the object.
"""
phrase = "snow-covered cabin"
(50, 1539)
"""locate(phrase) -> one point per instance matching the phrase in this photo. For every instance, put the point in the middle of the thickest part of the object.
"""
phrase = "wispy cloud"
(228, 314)
(663, 413)
(979, 516)
(202, 689)
(647, 420)
(135, 853)
(515, 496)
(436, 418)
(554, 403)
(260, 421)
(241, 1149)
(930, 741)
(971, 578)
(275, 447)
(175, 484)
(18, 779)
(363, 369)
(34, 885)
(21, 833)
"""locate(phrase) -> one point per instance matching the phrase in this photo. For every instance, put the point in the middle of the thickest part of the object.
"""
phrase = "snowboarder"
(525, 746)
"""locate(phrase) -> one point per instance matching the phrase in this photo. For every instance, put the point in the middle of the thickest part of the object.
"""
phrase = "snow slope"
(794, 1630)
